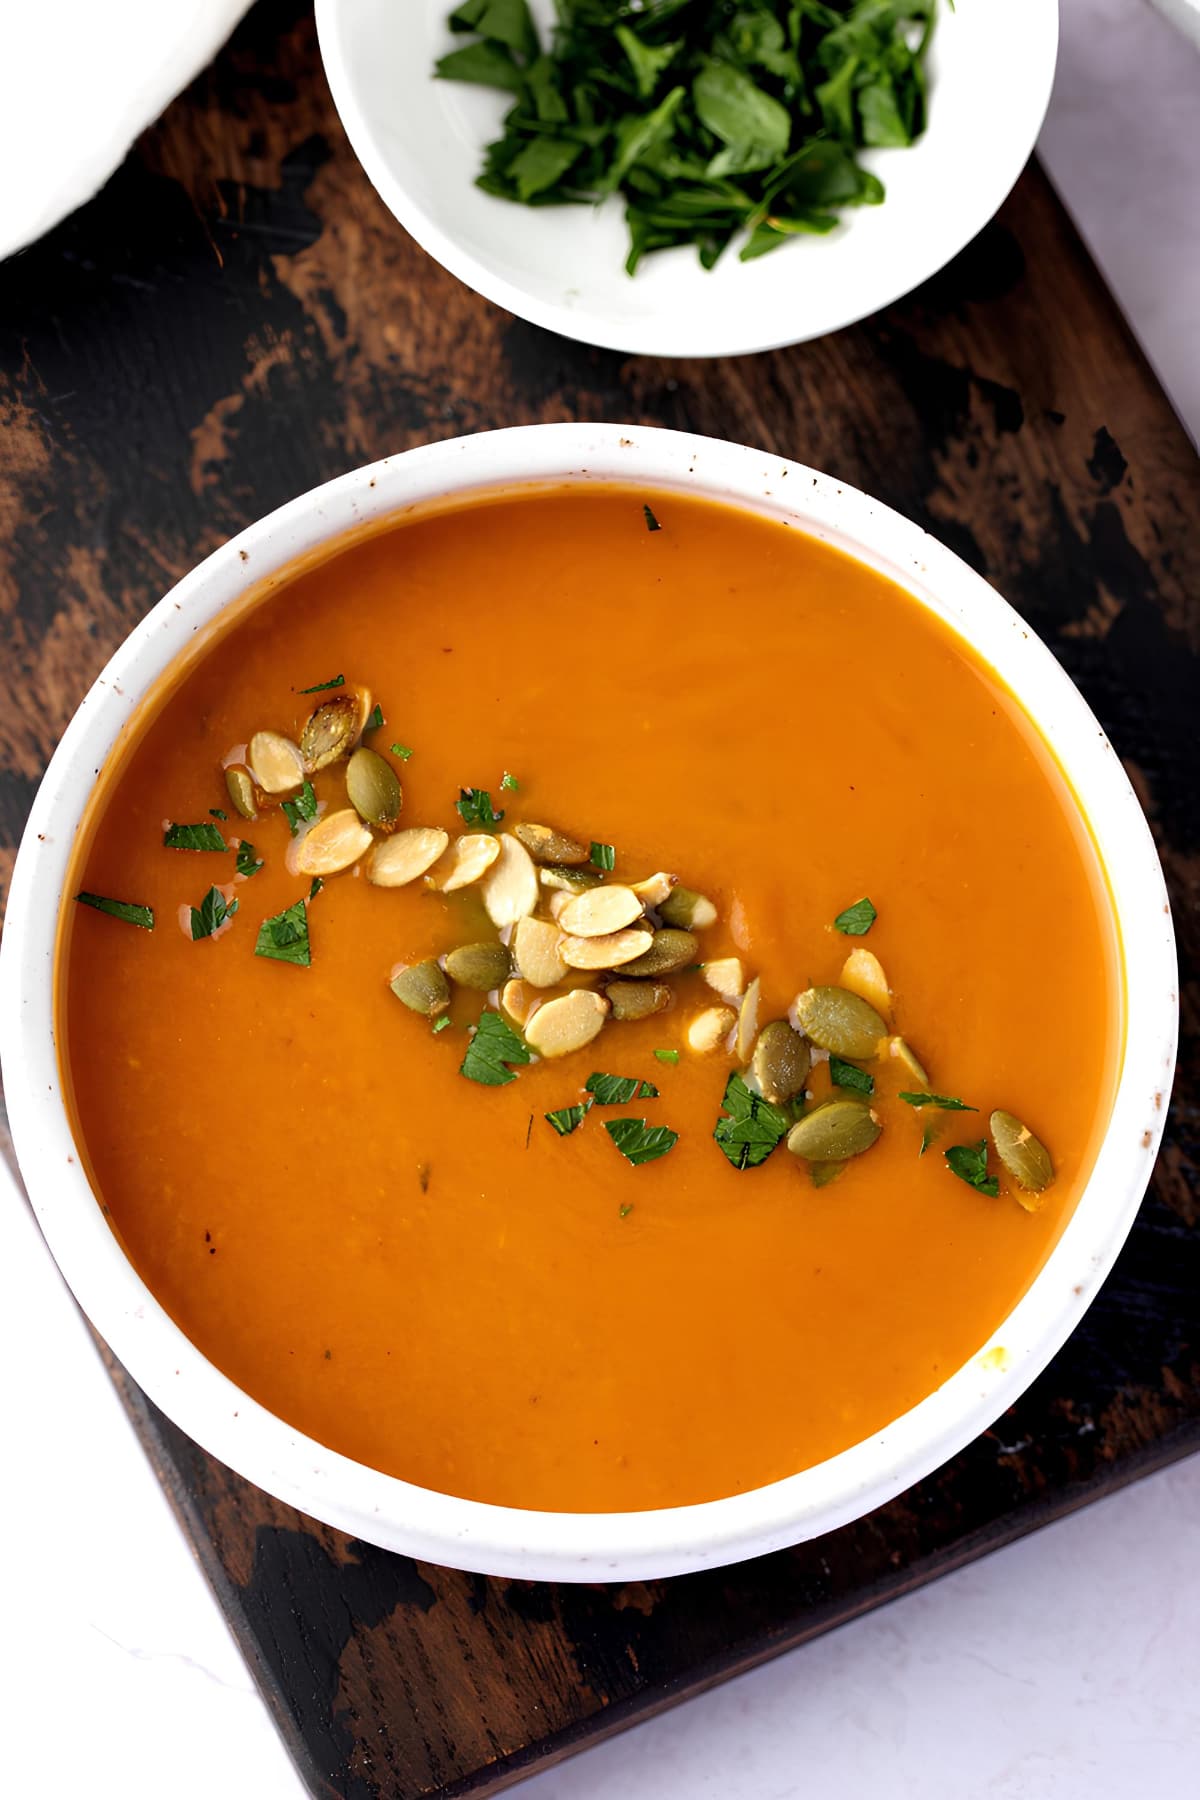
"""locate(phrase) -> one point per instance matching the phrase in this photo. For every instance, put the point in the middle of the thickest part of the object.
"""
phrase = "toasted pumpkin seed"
(747, 1022)
(466, 861)
(837, 1020)
(479, 966)
(374, 788)
(1024, 1157)
(637, 999)
(613, 951)
(518, 1002)
(726, 975)
(688, 910)
(668, 951)
(275, 762)
(570, 881)
(781, 1062)
(833, 1131)
(331, 845)
(546, 845)
(536, 952)
(708, 1029)
(400, 859)
(239, 785)
(600, 911)
(331, 730)
(655, 889)
(903, 1053)
(560, 1026)
(423, 987)
(510, 886)
(862, 974)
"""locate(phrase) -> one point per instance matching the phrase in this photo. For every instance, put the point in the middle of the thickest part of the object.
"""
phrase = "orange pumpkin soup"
(611, 1308)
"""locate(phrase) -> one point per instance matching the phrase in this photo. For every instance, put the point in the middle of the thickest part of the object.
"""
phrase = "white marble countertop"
(1059, 1668)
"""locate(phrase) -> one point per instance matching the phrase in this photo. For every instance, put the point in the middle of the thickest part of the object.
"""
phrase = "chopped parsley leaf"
(319, 687)
(943, 1102)
(569, 1118)
(193, 837)
(127, 910)
(927, 1137)
(494, 1044)
(667, 1056)
(315, 887)
(248, 861)
(211, 914)
(376, 718)
(474, 807)
(750, 1127)
(402, 751)
(441, 1024)
(969, 1163)
(603, 856)
(215, 812)
(847, 1075)
(303, 807)
(615, 1090)
(509, 781)
(652, 523)
(285, 937)
(857, 920)
(627, 1209)
(638, 1142)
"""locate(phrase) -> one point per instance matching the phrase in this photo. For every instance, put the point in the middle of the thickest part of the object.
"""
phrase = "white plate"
(421, 141)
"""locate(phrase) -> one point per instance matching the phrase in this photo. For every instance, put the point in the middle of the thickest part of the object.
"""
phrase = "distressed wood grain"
(237, 317)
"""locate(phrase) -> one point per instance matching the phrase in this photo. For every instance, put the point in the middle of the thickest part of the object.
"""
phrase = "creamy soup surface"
(415, 1268)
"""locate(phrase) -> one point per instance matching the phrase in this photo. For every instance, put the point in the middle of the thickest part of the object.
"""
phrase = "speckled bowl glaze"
(575, 1546)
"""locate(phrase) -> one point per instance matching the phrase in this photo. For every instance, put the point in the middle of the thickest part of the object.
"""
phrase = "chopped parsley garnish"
(315, 886)
(667, 1056)
(615, 1090)
(509, 781)
(474, 807)
(120, 909)
(857, 920)
(638, 1142)
(494, 1044)
(302, 808)
(402, 751)
(943, 1102)
(248, 861)
(193, 837)
(927, 1136)
(627, 1209)
(285, 937)
(211, 914)
(603, 856)
(652, 523)
(969, 1163)
(376, 718)
(441, 1024)
(319, 687)
(750, 1127)
(569, 1118)
(848, 1075)
(215, 812)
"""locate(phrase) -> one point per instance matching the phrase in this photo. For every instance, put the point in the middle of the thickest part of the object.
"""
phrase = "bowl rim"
(670, 334)
(511, 1541)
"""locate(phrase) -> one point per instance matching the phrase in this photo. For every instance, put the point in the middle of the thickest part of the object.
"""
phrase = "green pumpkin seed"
(374, 789)
(330, 731)
(1024, 1157)
(834, 1131)
(837, 1020)
(823, 1173)
(781, 1062)
(910, 1065)
(670, 950)
(687, 910)
(479, 966)
(546, 845)
(423, 987)
(239, 784)
(563, 879)
(637, 999)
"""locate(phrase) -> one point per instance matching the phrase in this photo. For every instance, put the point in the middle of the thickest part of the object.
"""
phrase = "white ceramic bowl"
(603, 1546)
(420, 141)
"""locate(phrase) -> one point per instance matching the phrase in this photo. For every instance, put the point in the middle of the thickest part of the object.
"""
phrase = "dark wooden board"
(236, 317)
